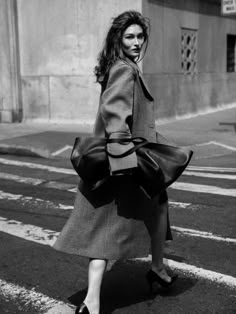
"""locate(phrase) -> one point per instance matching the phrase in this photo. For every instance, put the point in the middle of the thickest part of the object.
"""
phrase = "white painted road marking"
(232, 148)
(13, 292)
(19, 179)
(211, 169)
(48, 237)
(37, 166)
(31, 200)
(62, 150)
(210, 175)
(72, 172)
(28, 232)
(177, 185)
(202, 234)
(200, 188)
(202, 273)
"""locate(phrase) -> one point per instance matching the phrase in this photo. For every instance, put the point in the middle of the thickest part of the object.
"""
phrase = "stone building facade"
(48, 50)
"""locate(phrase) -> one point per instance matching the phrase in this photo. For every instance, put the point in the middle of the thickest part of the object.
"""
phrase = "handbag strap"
(138, 141)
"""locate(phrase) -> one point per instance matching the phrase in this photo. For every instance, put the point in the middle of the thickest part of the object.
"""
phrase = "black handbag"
(159, 165)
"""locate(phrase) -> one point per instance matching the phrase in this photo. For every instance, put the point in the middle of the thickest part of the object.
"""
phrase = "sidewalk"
(205, 134)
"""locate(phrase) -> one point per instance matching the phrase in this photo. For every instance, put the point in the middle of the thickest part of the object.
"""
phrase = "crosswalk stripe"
(48, 237)
(200, 188)
(211, 169)
(34, 181)
(19, 179)
(37, 166)
(209, 175)
(28, 232)
(56, 185)
(177, 185)
(202, 234)
(13, 292)
(38, 201)
(72, 172)
(191, 187)
(202, 273)
(31, 200)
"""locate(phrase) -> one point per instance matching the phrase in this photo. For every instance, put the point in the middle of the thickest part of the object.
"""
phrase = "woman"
(118, 221)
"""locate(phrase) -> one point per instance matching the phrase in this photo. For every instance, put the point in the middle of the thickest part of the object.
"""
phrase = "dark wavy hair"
(112, 50)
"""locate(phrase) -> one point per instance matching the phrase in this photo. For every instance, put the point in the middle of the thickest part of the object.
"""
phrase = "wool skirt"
(110, 223)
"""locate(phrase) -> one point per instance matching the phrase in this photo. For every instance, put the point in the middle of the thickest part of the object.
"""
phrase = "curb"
(24, 151)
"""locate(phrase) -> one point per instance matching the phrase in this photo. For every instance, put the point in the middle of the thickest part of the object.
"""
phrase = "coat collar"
(142, 80)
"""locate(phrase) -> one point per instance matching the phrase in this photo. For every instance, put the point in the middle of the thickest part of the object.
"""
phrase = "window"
(231, 43)
(189, 51)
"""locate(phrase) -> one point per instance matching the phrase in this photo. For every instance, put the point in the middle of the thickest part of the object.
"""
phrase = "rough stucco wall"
(175, 93)
(4, 60)
(9, 106)
(59, 43)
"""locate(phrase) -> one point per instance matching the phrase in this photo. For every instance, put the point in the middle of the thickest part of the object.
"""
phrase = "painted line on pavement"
(175, 205)
(202, 273)
(196, 272)
(218, 144)
(56, 185)
(200, 188)
(14, 292)
(48, 237)
(202, 234)
(28, 232)
(72, 172)
(19, 179)
(26, 199)
(177, 185)
(210, 175)
(37, 166)
(211, 169)
(31, 200)
(62, 150)
(34, 181)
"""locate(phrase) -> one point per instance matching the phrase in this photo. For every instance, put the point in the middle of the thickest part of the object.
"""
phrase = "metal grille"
(189, 51)
(231, 56)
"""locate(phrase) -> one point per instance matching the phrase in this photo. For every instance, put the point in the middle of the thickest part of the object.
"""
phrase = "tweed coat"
(110, 223)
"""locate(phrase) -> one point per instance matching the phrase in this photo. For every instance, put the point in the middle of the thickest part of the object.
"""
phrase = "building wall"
(10, 100)
(48, 51)
(177, 94)
(59, 43)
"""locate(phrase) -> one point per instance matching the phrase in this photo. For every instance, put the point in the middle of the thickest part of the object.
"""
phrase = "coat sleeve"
(116, 111)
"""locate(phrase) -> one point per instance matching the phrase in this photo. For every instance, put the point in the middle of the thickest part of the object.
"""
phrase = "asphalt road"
(36, 197)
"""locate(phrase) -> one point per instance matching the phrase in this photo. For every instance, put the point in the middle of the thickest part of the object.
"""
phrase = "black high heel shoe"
(152, 278)
(82, 309)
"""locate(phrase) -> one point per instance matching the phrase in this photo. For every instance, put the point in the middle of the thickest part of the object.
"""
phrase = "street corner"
(212, 149)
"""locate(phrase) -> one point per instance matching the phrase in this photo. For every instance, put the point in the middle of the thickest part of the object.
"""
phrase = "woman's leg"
(95, 274)
(157, 227)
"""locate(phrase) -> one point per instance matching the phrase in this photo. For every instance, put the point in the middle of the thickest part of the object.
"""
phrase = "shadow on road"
(125, 285)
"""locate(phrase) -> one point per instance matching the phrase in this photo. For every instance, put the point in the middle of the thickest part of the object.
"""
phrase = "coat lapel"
(145, 87)
(142, 80)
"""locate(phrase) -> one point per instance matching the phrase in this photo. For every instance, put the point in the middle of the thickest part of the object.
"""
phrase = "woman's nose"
(136, 41)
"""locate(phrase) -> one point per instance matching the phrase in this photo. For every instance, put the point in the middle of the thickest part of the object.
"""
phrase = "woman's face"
(132, 41)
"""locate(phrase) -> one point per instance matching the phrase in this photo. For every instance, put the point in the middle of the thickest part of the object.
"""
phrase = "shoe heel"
(152, 278)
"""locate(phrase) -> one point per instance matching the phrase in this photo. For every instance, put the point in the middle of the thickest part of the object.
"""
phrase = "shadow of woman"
(125, 285)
